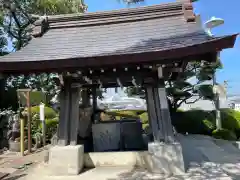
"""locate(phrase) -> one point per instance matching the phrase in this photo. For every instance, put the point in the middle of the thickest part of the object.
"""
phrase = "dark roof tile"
(127, 31)
(64, 43)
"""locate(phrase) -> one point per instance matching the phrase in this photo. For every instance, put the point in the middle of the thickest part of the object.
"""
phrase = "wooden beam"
(198, 52)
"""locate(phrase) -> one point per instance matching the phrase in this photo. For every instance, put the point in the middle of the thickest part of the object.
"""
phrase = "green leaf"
(206, 91)
(1, 19)
(182, 84)
(206, 73)
(178, 93)
(3, 42)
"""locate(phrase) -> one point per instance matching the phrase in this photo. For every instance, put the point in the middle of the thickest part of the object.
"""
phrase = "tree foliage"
(130, 2)
(3, 39)
(181, 90)
(15, 23)
(15, 19)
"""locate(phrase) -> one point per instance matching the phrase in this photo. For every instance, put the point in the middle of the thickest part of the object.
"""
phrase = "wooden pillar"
(152, 114)
(63, 127)
(94, 98)
(85, 98)
(158, 112)
(74, 115)
(95, 116)
(2, 90)
(164, 119)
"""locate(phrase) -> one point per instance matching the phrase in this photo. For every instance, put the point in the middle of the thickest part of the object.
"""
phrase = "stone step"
(228, 147)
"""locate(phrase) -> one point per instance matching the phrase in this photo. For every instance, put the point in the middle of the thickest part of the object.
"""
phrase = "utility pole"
(217, 103)
(212, 23)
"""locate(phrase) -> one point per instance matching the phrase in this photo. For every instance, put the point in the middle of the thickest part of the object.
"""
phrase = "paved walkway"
(209, 172)
(207, 161)
(15, 166)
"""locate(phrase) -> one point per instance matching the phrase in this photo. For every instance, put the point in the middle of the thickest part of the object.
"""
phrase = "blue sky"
(227, 9)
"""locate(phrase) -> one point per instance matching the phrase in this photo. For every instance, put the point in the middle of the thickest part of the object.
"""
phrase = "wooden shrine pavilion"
(144, 45)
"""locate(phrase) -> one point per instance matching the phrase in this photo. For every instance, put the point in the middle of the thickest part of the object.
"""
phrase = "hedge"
(224, 134)
(202, 122)
(51, 120)
(49, 112)
(134, 113)
(51, 128)
(193, 122)
(144, 117)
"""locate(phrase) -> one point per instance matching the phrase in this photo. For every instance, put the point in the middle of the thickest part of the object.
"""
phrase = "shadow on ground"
(207, 171)
(204, 159)
(15, 177)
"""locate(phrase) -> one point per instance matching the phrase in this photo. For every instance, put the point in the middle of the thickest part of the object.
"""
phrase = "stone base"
(66, 160)
(237, 144)
(166, 158)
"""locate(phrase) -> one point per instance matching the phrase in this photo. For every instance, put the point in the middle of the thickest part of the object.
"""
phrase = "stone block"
(166, 158)
(66, 160)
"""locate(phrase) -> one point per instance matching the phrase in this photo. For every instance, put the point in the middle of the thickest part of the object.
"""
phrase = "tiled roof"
(128, 31)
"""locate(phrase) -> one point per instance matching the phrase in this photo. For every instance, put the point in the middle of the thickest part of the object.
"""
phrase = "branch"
(178, 105)
(170, 84)
(194, 67)
(185, 101)
(194, 100)
(16, 19)
(26, 25)
(9, 27)
(22, 11)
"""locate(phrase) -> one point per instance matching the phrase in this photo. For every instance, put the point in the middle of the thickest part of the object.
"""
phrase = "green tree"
(3, 38)
(180, 90)
(3, 51)
(15, 20)
(19, 14)
(130, 2)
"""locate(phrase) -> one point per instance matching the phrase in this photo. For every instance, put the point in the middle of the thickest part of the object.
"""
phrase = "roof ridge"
(108, 17)
(114, 20)
(114, 13)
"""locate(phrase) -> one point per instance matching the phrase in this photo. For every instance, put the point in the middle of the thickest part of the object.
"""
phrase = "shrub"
(135, 112)
(147, 129)
(209, 124)
(126, 112)
(193, 121)
(49, 112)
(51, 120)
(224, 134)
(144, 126)
(51, 128)
(144, 117)
(105, 117)
(230, 120)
